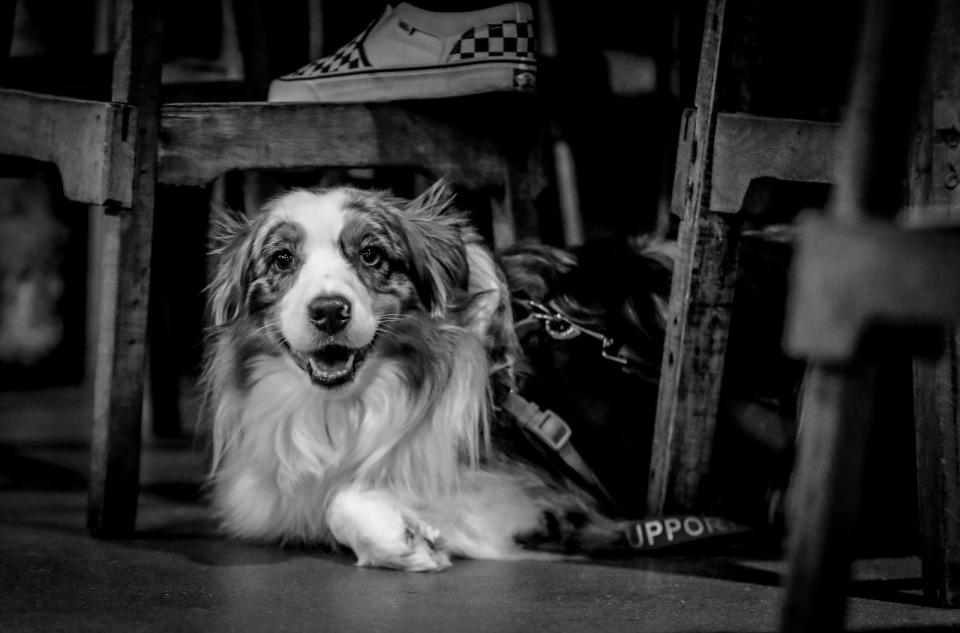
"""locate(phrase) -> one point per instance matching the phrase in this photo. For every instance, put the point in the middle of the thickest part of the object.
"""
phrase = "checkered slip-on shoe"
(409, 53)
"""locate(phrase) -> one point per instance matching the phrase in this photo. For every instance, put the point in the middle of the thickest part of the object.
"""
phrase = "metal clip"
(604, 351)
(561, 328)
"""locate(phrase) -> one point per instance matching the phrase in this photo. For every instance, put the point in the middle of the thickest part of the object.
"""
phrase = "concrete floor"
(178, 575)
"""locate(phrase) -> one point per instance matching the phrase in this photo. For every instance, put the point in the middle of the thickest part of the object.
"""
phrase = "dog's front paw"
(424, 548)
(381, 535)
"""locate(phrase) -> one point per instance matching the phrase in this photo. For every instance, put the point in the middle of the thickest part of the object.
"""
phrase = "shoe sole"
(420, 83)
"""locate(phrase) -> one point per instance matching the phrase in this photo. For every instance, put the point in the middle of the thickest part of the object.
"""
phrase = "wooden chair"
(719, 154)
(860, 266)
(114, 153)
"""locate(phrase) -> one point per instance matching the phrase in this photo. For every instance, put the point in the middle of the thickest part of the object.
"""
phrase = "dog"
(358, 344)
(606, 386)
(365, 351)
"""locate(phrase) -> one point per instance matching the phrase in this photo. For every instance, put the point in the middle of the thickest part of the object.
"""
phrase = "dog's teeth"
(327, 374)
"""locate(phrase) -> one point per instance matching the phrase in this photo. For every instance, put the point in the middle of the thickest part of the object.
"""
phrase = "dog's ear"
(438, 199)
(435, 231)
(231, 237)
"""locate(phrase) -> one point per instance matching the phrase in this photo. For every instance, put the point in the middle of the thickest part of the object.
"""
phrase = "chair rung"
(747, 147)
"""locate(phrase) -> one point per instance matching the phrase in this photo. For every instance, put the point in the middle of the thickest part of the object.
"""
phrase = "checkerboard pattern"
(346, 58)
(503, 39)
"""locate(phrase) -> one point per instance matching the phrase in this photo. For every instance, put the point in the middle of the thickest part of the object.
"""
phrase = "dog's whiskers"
(263, 328)
(387, 333)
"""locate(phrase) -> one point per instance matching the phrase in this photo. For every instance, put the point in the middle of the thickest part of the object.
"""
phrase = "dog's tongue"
(332, 361)
(334, 358)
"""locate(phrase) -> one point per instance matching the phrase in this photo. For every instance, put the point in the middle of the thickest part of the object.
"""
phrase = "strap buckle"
(552, 429)
(544, 423)
(554, 432)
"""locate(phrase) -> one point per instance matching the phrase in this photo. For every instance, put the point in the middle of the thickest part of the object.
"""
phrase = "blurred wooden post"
(836, 414)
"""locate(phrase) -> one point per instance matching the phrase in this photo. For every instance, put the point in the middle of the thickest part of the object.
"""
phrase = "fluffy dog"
(358, 341)
(365, 353)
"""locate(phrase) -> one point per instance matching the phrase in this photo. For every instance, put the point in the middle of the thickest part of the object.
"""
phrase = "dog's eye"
(371, 255)
(282, 260)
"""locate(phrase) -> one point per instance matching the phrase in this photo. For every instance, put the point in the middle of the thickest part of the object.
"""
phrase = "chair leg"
(701, 301)
(515, 217)
(503, 213)
(937, 420)
(824, 497)
(118, 383)
(125, 281)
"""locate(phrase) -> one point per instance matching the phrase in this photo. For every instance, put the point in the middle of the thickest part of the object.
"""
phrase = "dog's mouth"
(332, 365)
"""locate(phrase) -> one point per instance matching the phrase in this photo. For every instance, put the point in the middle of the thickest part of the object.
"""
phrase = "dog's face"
(325, 276)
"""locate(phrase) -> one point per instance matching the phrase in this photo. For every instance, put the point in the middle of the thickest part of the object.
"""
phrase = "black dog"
(602, 376)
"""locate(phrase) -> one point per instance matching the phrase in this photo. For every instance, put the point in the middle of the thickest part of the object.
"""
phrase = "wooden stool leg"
(824, 502)
(701, 302)
(125, 283)
(118, 383)
(503, 212)
(524, 179)
(937, 418)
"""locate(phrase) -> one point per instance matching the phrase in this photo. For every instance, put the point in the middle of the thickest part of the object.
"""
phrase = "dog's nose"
(329, 313)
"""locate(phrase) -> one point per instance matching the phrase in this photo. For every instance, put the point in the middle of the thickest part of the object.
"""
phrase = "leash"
(656, 533)
(560, 327)
(553, 432)
(651, 533)
(548, 427)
